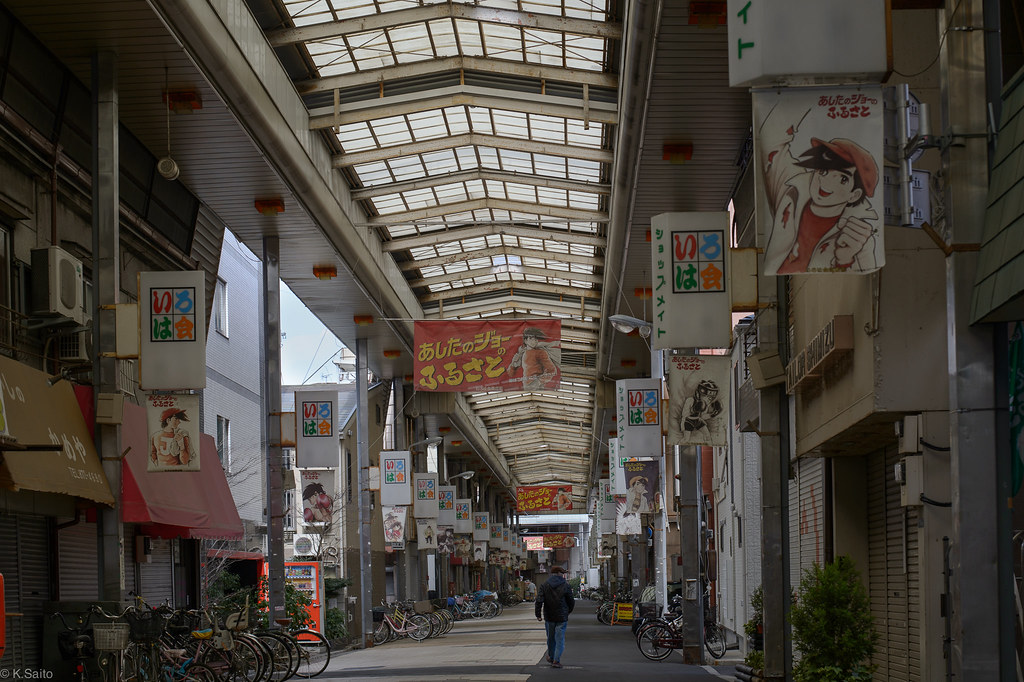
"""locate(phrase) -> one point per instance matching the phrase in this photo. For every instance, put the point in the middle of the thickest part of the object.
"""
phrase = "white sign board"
(689, 267)
(316, 437)
(425, 496)
(638, 409)
(481, 526)
(446, 505)
(172, 335)
(802, 42)
(618, 480)
(395, 480)
(463, 516)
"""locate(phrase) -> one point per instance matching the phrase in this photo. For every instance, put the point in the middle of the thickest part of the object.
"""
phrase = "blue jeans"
(556, 639)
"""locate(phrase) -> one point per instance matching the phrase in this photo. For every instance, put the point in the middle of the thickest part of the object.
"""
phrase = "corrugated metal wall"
(806, 516)
(206, 243)
(157, 576)
(78, 562)
(893, 570)
(25, 564)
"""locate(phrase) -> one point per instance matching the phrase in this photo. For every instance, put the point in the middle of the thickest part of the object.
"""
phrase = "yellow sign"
(623, 611)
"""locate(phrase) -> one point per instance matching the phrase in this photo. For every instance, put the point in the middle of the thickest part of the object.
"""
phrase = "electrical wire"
(936, 448)
(938, 51)
(927, 500)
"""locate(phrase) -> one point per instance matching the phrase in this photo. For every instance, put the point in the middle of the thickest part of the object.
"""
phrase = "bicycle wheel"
(197, 672)
(381, 633)
(314, 653)
(418, 627)
(714, 640)
(280, 657)
(652, 642)
(604, 613)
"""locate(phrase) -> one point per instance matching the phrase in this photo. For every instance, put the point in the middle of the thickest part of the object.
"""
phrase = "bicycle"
(399, 624)
(714, 636)
(74, 643)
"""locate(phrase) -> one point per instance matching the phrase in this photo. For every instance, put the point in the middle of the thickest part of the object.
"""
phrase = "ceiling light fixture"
(628, 324)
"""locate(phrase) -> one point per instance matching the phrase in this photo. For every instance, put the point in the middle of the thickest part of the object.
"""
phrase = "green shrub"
(335, 627)
(755, 659)
(754, 629)
(334, 586)
(832, 626)
(295, 603)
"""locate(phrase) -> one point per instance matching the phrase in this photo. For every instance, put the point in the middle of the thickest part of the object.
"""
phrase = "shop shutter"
(26, 572)
(77, 551)
(130, 567)
(806, 517)
(893, 565)
(157, 576)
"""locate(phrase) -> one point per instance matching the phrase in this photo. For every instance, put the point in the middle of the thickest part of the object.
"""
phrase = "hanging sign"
(172, 338)
(394, 525)
(464, 545)
(638, 411)
(445, 540)
(446, 505)
(425, 502)
(481, 526)
(534, 542)
(480, 551)
(495, 533)
(608, 499)
(506, 541)
(818, 155)
(316, 433)
(643, 481)
(318, 492)
(534, 498)
(463, 516)
(172, 444)
(426, 533)
(615, 457)
(698, 390)
(689, 256)
(559, 540)
(395, 483)
(475, 355)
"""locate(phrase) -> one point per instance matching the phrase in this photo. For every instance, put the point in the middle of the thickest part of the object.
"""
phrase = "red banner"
(544, 498)
(559, 540)
(479, 355)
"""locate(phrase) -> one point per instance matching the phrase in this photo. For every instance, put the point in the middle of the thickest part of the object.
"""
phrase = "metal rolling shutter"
(157, 576)
(893, 572)
(806, 517)
(130, 566)
(26, 572)
(78, 551)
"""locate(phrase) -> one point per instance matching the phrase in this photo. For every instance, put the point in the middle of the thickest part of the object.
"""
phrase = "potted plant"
(832, 627)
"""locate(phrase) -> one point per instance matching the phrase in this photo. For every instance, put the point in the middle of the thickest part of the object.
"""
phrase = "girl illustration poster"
(172, 445)
(698, 389)
(317, 495)
(819, 162)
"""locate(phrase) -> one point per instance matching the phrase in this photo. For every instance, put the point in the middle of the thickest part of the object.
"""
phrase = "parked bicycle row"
(146, 644)
(421, 620)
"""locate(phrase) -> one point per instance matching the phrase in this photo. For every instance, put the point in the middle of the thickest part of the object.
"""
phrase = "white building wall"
(234, 375)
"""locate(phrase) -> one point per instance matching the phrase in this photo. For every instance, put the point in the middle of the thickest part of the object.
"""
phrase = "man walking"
(555, 597)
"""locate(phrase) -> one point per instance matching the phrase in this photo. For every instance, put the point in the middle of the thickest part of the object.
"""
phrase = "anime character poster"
(535, 498)
(318, 492)
(426, 533)
(642, 484)
(445, 540)
(819, 159)
(474, 355)
(479, 551)
(173, 444)
(394, 523)
(608, 545)
(463, 546)
(698, 399)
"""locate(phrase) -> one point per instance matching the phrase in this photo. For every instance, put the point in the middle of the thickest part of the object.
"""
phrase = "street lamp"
(465, 476)
(627, 324)
(433, 440)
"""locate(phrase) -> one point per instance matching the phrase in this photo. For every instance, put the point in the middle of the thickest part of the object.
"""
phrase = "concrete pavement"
(511, 648)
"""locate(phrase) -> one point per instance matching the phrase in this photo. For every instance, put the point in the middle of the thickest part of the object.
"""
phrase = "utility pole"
(363, 448)
(272, 382)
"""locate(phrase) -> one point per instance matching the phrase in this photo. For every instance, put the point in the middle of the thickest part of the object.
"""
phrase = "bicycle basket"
(110, 636)
(146, 626)
(67, 648)
(378, 614)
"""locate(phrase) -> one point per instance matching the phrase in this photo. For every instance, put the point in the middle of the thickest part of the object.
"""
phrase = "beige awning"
(44, 442)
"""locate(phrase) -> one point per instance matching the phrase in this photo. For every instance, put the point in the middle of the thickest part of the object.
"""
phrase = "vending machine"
(307, 577)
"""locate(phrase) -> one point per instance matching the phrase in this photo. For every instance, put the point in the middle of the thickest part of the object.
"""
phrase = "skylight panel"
(356, 137)
(584, 52)
(371, 50)
(389, 203)
(331, 57)
(503, 42)
(514, 161)
(411, 43)
(451, 193)
(589, 171)
(432, 271)
(428, 124)
(458, 121)
(442, 34)
(581, 250)
(476, 189)
(479, 263)
(531, 243)
(581, 136)
(496, 189)
(547, 128)
(553, 166)
(391, 131)
(474, 243)
(583, 200)
(304, 12)
(419, 198)
(543, 47)
(469, 37)
(440, 163)
(467, 158)
(518, 192)
(373, 174)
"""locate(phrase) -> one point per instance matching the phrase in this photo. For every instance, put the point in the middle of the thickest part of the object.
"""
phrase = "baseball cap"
(856, 156)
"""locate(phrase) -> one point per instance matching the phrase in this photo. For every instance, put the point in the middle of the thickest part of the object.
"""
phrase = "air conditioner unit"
(304, 545)
(75, 347)
(57, 287)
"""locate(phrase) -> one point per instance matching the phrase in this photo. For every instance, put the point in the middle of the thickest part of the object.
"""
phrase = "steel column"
(274, 465)
(363, 447)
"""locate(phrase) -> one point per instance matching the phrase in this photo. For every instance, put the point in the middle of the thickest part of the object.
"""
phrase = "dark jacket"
(555, 596)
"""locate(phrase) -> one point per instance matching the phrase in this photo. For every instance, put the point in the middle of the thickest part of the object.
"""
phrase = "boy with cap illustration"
(823, 219)
(171, 446)
(534, 356)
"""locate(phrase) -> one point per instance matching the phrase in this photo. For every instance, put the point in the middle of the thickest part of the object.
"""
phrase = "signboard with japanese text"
(506, 541)
(172, 338)
(426, 533)
(818, 155)
(643, 481)
(482, 526)
(318, 493)
(534, 498)
(478, 355)
(618, 481)
(534, 543)
(394, 524)
(463, 515)
(495, 533)
(316, 432)
(770, 44)
(689, 260)
(173, 442)
(446, 505)
(608, 499)
(425, 496)
(698, 399)
(395, 479)
(638, 412)
(559, 540)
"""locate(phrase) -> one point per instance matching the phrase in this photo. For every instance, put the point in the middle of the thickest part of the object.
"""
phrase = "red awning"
(193, 504)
